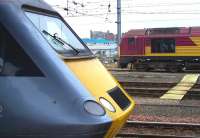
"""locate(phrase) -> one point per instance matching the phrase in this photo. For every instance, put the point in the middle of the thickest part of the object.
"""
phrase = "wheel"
(130, 66)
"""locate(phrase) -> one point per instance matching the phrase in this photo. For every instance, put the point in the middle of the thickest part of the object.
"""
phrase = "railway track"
(152, 71)
(129, 83)
(152, 84)
(139, 129)
(133, 135)
(156, 89)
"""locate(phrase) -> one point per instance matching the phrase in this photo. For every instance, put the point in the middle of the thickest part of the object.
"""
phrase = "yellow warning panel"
(172, 96)
(185, 84)
(178, 91)
(181, 88)
(190, 78)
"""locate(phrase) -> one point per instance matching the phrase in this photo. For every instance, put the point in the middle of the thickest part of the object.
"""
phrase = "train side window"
(1, 62)
(1, 51)
(13, 59)
(163, 45)
(131, 41)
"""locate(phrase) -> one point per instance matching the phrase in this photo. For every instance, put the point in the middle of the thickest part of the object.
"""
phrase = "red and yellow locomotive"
(173, 49)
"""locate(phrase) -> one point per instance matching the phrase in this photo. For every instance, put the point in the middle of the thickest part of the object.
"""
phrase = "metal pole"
(118, 21)
(67, 7)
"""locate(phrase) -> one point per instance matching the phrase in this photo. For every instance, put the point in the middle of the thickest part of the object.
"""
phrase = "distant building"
(100, 44)
(106, 35)
(105, 49)
(98, 41)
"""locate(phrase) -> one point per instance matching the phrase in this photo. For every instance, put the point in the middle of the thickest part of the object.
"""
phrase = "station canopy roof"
(97, 41)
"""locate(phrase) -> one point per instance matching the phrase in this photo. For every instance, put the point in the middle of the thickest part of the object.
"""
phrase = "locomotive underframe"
(172, 64)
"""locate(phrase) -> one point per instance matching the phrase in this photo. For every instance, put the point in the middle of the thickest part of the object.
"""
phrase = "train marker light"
(107, 104)
(94, 108)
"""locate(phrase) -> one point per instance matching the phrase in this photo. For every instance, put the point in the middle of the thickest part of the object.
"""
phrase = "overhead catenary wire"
(99, 9)
(91, 12)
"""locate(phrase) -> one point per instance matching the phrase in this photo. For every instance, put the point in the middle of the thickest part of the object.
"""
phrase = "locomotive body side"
(181, 49)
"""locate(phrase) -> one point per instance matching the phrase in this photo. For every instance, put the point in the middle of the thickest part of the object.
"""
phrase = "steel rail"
(157, 92)
(130, 124)
(133, 135)
(166, 124)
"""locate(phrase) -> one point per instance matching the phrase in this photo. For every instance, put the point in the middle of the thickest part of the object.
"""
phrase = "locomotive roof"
(32, 3)
(163, 32)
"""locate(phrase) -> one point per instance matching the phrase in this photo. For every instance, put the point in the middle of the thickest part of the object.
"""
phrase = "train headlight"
(107, 104)
(94, 108)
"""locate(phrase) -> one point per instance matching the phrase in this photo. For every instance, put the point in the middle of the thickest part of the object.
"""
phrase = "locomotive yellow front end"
(107, 91)
(98, 93)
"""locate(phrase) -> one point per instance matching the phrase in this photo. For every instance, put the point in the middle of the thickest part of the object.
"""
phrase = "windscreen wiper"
(61, 41)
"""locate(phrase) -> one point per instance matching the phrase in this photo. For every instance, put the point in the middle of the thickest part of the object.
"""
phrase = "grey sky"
(86, 15)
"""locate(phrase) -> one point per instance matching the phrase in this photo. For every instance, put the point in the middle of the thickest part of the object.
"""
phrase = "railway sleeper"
(147, 84)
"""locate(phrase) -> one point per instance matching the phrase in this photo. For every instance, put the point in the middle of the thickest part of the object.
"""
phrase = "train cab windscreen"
(59, 35)
(163, 45)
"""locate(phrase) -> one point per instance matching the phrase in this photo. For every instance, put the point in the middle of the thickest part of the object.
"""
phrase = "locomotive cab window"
(131, 41)
(163, 45)
(59, 35)
(13, 59)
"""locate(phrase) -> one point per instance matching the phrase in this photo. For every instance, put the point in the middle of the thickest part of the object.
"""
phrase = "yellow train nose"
(119, 119)
(100, 83)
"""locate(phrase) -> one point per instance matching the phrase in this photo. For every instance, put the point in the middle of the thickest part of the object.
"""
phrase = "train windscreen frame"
(58, 34)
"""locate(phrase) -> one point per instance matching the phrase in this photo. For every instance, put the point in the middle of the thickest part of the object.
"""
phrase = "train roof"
(40, 4)
(163, 32)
